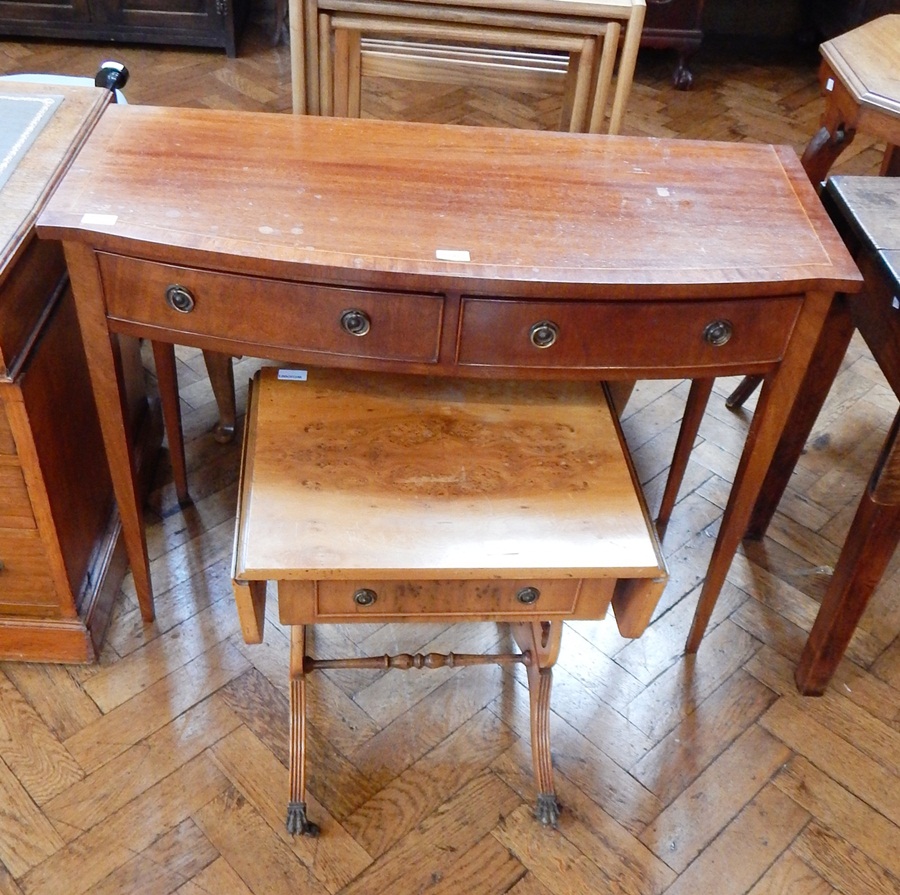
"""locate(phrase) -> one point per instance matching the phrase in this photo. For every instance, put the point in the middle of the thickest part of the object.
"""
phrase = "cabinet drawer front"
(26, 587)
(603, 335)
(15, 505)
(459, 600)
(386, 325)
(7, 442)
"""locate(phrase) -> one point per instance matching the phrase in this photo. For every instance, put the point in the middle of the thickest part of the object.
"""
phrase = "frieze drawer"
(305, 317)
(302, 602)
(670, 335)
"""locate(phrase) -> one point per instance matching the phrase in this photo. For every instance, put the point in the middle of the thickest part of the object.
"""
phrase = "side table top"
(424, 206)
(867, 60)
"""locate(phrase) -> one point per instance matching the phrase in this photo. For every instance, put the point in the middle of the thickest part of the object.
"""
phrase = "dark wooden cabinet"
(675, 24)
(50, 12)
(202, 23)
(828, 18)
(61, 555)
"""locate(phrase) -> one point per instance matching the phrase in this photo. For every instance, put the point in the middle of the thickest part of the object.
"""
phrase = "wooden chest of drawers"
(61, 562)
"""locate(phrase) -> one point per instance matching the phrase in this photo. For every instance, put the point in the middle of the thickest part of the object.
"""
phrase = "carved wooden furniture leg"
(166, 376)
(870, 544)
(823, 149)
(297, 821)
(221, 377)
(698, 398)
(746, 387)
(541, 640)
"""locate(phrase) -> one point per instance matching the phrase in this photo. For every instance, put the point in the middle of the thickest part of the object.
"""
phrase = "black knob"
(543, 334)
(111, 76)
(179, 299)
(528, 595)
(355, 322)
(365, 597)
(718, 332)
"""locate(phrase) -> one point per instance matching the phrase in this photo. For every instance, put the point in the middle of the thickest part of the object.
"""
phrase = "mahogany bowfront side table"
(450, 251)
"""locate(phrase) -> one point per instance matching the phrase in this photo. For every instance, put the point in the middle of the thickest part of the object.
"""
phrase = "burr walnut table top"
(393, 477)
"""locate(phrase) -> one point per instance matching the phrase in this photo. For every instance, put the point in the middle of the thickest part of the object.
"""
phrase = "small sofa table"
(867, 209)
(385, 246)
(410, 499)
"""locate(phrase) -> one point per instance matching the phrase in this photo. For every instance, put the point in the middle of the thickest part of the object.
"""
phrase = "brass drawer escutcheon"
(179, 299)
(718, 332)
(355, 322)
(543, 334)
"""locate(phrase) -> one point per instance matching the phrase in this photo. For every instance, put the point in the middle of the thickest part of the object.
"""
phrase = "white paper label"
(99, 220)
(296, 375)
(452, 255)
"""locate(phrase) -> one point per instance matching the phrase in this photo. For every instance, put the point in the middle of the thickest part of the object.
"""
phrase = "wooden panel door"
(211, 21)
(44, 11)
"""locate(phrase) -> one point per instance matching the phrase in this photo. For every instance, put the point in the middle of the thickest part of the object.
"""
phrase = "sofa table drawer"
(303, 602)
(668, 335)
(305, 317)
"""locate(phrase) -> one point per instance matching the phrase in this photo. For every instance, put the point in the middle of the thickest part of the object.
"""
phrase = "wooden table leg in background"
(107, 379)
(776, 403)
(829, 354)
(695, 407)
(167, 380)
(221, 376)
(870, 544)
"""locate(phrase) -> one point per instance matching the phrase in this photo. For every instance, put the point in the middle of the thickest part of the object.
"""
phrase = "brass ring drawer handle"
(179, 299)
(543, 334)
(718, 332)
(365, 596)
(528, 595)
(355, 322)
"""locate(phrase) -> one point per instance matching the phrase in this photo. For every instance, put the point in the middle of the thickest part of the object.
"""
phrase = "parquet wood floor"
(163, 768)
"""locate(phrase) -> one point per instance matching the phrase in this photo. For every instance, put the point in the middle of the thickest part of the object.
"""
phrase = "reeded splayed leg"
(297, 821)
(541, 640)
